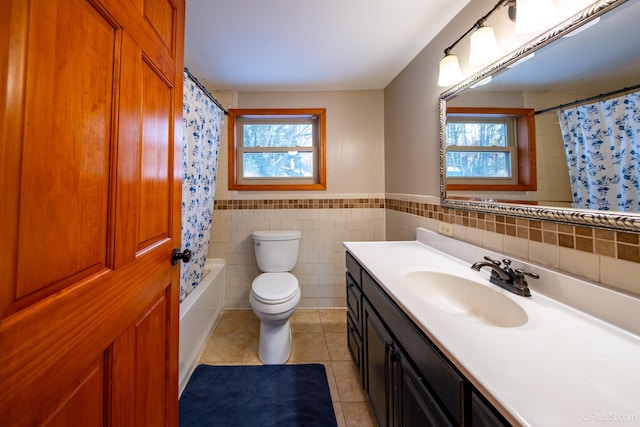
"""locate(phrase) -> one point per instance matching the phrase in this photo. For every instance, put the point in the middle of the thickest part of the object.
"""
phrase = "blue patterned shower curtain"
(602, 143)
(202, 120)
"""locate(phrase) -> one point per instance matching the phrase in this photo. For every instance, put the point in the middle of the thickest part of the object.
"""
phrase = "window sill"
(278, 187)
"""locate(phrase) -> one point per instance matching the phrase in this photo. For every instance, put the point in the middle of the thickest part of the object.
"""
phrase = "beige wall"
(352, 207)
(412, 171)
(355, 140)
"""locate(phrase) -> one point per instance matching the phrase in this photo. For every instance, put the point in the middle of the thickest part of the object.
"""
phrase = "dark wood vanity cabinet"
(409, 382)
(397, 394)
(379, 366)
(354, 315)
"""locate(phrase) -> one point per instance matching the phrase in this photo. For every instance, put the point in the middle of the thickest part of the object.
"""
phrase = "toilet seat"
(274, 288)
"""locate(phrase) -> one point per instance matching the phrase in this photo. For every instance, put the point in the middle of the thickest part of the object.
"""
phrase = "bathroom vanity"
(431, 358)
(408, 380)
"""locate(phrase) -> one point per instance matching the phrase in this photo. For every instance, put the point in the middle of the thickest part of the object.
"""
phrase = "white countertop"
(562, 368)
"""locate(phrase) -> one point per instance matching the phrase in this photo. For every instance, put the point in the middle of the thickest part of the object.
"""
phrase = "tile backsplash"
(604, 256)
(615, 244)
(611, 258)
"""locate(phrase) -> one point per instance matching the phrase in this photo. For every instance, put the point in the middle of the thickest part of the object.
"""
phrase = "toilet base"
(274, 347)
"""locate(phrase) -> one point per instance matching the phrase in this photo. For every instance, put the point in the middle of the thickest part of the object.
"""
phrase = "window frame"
(510, 148)
(525, 150)
(318, 181)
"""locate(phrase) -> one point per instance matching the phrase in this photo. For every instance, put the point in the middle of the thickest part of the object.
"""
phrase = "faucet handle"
(493, 261)
(520, 272)
(520, 282)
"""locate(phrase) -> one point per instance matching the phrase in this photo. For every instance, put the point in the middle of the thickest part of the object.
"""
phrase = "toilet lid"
(276, 235)
(274, 288)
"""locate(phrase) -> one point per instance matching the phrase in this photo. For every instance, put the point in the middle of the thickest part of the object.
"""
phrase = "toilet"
(275, 293)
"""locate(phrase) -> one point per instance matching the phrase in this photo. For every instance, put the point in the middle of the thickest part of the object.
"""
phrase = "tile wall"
(324, 223)
(611, 258)
(608, 257)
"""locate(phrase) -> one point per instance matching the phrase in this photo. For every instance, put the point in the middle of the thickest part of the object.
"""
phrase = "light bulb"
(484, 47)
(450, 71)
(533, 15)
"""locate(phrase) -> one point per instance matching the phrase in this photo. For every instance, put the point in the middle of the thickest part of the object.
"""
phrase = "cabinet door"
(441, 377)
(354, 301)
(482, 415)
(416, 406)
(378, 348)
(354, 344)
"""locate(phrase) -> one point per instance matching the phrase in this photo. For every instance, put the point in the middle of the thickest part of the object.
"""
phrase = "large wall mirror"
(596, 52)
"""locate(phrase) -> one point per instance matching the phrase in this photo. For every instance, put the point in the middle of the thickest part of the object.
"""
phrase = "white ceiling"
(297, 45)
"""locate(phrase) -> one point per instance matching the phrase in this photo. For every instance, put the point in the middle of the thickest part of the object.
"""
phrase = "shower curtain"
(202, 120)
(602, 144)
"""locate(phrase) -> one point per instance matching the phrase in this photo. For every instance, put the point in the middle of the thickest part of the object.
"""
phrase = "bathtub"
(199, 313)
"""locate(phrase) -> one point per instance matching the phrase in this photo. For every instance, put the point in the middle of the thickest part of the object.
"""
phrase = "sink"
(465, 299)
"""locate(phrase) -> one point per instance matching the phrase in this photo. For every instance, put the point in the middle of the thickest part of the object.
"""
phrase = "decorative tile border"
(600, 241)
(299, 204)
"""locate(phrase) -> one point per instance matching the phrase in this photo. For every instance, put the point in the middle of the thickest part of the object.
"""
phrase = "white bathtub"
(199, 313)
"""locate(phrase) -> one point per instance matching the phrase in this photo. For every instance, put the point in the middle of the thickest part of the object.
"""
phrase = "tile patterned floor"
(319, 336)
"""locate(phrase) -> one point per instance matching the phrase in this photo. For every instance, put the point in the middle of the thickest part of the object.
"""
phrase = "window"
(490, 149)
(282, 149)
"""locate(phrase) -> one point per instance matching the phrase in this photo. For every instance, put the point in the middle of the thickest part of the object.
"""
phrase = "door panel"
(128, 156)
(90, 99)
(161, 17)
(82, 405)
(139, 356)
(155, 192)
(72, 192)
(151, 352)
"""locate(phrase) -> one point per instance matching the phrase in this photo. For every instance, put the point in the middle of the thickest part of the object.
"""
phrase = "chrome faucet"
(506, 277)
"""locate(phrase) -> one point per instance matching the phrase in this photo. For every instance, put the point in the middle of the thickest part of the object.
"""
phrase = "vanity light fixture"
(486, 49)
(532, 15)
(529, 15)
(450, 71)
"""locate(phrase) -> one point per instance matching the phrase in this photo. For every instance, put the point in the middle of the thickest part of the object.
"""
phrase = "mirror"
(592, 53)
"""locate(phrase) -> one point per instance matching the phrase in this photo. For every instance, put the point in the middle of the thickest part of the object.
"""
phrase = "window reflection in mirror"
(490, 149)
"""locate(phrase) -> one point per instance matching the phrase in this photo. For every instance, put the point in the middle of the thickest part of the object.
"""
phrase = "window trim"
(511, 148)
(525, 147)
(320, 150)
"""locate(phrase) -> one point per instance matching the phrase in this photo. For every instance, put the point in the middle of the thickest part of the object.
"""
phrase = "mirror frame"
(620, 221)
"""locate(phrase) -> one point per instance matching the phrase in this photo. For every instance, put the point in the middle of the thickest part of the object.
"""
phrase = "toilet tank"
(276, 251)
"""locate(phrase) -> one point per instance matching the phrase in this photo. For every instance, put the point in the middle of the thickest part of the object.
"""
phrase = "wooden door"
(91, 110)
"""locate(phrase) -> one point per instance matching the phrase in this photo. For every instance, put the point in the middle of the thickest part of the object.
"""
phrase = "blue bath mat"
(265, 395)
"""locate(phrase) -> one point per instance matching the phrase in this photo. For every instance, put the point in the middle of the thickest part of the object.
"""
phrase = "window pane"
(474, 164)
(278, 135)
(277, 164)
(477, 134)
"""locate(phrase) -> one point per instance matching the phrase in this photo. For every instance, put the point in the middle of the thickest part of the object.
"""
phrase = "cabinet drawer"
(354, 301)
(354, 344)
(439, 376)
(354, 269)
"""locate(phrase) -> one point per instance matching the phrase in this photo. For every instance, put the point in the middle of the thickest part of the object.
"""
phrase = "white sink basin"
(465, 299)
